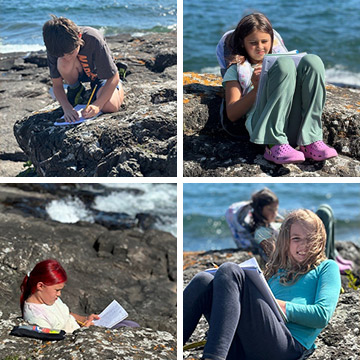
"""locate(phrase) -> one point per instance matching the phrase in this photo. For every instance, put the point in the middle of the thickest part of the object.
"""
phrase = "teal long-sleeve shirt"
(310, 302)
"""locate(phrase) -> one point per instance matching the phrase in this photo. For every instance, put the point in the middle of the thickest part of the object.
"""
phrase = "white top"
(56, 316)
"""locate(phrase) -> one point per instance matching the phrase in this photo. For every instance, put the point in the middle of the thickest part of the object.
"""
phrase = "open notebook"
(79, 109)
(113, 314)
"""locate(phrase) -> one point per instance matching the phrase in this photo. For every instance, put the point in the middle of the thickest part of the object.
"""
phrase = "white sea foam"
(339, 75)
(155, 199)
(9, 48)
(137, 34)
(211, 70)
(69, 210)
(172, 27)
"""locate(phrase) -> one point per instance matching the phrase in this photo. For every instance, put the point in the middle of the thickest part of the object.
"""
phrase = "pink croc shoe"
(318, 151)
(283, 154)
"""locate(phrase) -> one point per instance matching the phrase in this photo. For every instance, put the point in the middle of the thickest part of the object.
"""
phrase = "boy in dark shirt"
(81, 54)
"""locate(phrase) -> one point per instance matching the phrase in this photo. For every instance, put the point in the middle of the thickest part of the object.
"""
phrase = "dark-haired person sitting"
(80, 54)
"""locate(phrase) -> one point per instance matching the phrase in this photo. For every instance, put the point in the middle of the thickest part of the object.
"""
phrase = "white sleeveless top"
(56, 316)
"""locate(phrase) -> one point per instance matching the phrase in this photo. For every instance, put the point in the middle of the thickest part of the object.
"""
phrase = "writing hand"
(256, 77)
(91, 111)
(90, 319)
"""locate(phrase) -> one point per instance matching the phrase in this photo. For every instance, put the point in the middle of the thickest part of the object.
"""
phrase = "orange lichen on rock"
(204, 79)
(190, 258)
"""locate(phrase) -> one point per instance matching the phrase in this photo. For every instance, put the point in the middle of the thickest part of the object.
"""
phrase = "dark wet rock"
(139, 140)
(339, 339)
(146, 221)
(133, 266)
(113, 220)
(210, 151)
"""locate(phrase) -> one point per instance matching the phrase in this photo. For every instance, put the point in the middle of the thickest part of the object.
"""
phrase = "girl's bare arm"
(236, 104)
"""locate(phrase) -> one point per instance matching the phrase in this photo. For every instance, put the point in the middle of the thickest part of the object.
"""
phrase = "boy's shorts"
(99, 82)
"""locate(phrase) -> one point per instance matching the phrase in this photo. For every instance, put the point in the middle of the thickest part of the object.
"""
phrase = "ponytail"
(49, 272)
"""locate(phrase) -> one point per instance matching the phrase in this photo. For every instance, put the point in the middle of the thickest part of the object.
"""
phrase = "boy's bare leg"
(69, 69)
(113, 105)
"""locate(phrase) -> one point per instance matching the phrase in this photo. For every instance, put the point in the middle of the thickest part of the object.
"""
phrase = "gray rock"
(210, 151)
(340, 338)
(90, 343)
(139, 140)
(133, 266)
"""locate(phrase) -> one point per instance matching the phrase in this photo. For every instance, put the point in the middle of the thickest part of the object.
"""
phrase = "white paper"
(111, 315)
(79, 109)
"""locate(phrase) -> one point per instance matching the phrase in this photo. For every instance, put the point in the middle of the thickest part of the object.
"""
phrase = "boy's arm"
(106, 93)
(70, 114)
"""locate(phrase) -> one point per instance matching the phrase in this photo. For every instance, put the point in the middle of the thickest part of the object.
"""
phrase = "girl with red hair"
(40, 299)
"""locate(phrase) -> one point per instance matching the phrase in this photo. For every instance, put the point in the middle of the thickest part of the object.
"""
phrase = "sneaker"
(319, 151)
(283, 154)
(122, 67)
(74, 95)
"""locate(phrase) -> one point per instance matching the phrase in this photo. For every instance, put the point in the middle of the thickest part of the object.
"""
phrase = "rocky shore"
(134, 264)
(210, 151)
(338, 341)
(139, 140)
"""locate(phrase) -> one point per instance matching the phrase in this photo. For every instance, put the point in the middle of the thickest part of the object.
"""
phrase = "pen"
(81, 323)
(92, 94)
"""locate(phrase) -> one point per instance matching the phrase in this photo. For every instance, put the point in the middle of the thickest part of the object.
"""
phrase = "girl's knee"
(325, 213)
(312, 61)
(284, 67)
(202, 280)
(229, 269)
(286, 64)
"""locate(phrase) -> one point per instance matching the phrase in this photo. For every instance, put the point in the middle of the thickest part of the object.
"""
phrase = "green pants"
(290, 107)
(326, 215)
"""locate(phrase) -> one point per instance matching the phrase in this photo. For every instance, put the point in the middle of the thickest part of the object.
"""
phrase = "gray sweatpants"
(242, 324)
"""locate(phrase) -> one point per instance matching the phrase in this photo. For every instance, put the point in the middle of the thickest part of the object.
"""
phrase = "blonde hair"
(281, 258)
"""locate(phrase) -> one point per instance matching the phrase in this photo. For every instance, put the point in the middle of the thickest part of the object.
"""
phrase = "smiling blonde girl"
(241, 323)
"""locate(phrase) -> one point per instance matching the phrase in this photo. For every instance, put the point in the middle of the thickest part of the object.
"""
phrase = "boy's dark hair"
(260, 199)
(61, 36)
(248, 24)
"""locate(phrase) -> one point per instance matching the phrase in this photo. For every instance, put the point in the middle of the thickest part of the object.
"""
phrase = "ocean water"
(328, 28)
(204, 207)
(21, 21)
(155, 199)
